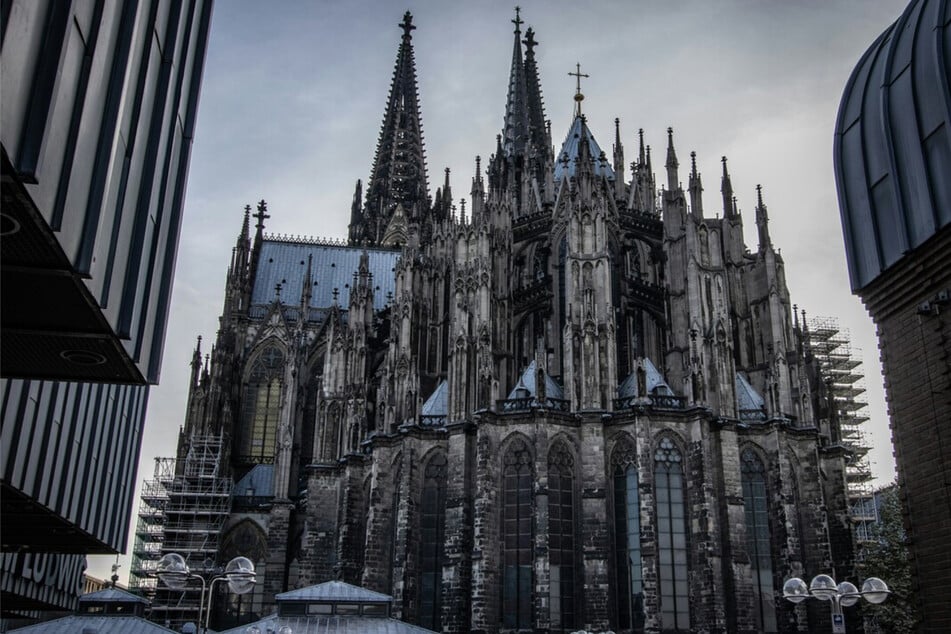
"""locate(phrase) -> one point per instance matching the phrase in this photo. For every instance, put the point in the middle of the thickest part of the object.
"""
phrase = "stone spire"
(618, 161)
(762, 221)
(673, 181)
(726, 188)
(399, 167)
(196, 364)
(478, 193)
(357, 228)
(538, 130)
(696, 188)
(515, 132)
(307, 288)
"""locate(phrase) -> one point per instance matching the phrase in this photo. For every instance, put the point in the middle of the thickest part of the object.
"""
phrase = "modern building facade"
(99, 101)
(892, 161)
(575, 400)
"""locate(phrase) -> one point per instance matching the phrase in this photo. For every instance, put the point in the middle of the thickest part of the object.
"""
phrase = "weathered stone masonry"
(577, 330)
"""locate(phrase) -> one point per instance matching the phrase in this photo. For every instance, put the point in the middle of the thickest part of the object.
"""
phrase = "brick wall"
(915, 345)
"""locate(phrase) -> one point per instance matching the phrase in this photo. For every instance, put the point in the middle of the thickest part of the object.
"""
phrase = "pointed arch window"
(432, 528)
(671, 538)
(758, 542)
(561, 538)
(517, 537)
(262, 407)
(629, 588)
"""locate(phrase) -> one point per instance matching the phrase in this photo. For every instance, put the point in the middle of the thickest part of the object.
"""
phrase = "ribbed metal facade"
(69, 453)
(99, 101)
(98, 104)
(893, 142)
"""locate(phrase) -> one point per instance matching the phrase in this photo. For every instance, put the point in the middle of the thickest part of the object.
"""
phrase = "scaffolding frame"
(841, 368)
(182, 510)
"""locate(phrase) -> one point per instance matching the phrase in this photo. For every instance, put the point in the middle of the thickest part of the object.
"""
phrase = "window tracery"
(671, 537)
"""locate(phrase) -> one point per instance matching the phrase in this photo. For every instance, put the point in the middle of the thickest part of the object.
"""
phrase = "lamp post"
(174, 573)
(845, 594)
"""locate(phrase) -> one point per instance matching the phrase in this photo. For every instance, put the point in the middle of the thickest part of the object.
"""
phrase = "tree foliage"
(886, 556)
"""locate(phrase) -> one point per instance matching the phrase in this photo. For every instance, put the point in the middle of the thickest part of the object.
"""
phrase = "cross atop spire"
(262, 215)
(518, 19)
(578, 96)
(407, 24)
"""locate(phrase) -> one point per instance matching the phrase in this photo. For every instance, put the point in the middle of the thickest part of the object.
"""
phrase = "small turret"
(446, 196)
(641, 157)
(673, 180)
(307, 288)
(196, 363)
(726, 188)
(762, 221)
(478, 193)
(357, 230)
(696, 189)
(618, 161)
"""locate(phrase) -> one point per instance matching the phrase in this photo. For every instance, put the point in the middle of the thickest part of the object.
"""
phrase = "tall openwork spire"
(538, 129)
(399, 167)
(516, 131)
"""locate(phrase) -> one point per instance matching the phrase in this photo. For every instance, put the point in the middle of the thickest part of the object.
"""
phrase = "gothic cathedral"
(575, 401)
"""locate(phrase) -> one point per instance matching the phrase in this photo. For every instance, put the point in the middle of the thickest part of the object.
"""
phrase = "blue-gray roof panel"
(332, 625)
(78, 623)
(334, 591)
(578, 131)
(333, 266)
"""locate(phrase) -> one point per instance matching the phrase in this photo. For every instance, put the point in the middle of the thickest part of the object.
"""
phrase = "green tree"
(886, 556)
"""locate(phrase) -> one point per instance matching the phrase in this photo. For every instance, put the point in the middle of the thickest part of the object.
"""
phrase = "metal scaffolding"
(182, 510)
(842, 372)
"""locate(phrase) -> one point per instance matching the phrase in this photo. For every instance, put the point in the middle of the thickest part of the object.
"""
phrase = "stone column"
(595, 536)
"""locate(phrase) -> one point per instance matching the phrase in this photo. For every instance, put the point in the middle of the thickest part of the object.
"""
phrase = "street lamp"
(174, 573)
(845, 594)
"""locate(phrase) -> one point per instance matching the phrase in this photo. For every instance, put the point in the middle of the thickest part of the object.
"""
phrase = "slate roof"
(332, 625)
(334, 591)
(746, 396)
(527, 382)
(284, 262)
(111, 624)
(654, 382)
(112, 595)
(260, 478)
(579, 130)
(438, 402)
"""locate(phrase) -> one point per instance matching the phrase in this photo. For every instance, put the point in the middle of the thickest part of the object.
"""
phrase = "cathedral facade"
(575, 400)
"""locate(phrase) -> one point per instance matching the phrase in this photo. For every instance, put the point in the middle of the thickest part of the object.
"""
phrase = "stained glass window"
(517, 537)
(262, 407)
(753, 475)
(432, 525)
(629, 591)
(671, 537)
(561, 538)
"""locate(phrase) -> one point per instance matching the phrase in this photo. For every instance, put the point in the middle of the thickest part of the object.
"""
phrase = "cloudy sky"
(294, 92)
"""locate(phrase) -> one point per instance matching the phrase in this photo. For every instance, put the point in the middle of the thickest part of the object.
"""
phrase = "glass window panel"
(672, 537)
(756, 504)
(517, 539)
